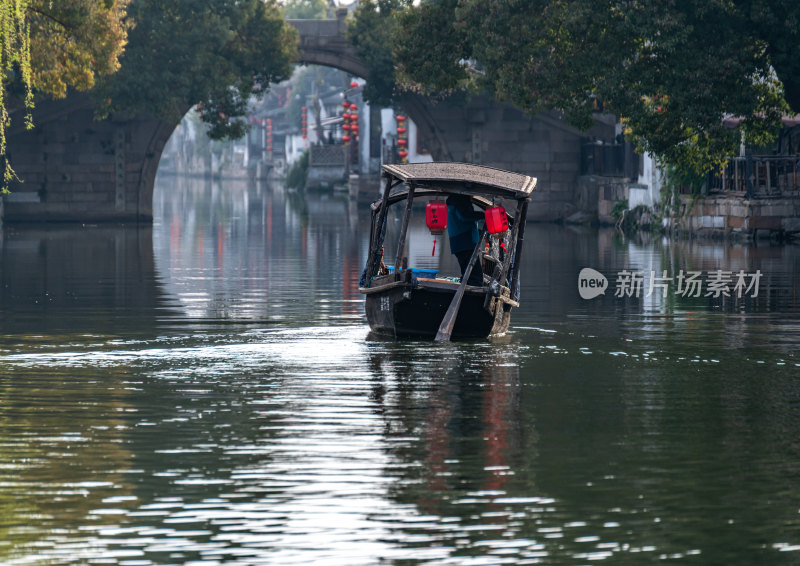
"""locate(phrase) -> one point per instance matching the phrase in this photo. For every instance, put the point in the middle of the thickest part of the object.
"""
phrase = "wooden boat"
(412, 302)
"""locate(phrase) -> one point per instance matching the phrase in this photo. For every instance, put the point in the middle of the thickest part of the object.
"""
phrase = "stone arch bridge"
(80, 170)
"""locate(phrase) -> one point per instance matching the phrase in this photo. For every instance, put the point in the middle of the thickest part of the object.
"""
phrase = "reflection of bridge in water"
(80, 280)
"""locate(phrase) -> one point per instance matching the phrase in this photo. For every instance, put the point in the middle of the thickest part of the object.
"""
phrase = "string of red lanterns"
(402, 141)
(305, 123)
(346, 124)
(269, 134)
(354, 121)
(350, 126)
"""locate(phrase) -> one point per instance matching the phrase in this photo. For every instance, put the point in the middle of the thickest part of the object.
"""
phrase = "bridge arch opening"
(324, 44)
(278, 134)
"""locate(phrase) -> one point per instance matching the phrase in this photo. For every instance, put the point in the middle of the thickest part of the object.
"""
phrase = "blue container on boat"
(418, 272)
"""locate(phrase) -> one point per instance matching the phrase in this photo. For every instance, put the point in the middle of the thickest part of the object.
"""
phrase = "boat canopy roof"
(463, 178)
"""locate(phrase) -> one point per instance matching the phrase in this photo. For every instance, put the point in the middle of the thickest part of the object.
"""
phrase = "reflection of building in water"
(648, 261)
(249, 251)
(717, 268)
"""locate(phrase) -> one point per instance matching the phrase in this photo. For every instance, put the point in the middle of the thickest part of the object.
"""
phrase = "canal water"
(206, 391)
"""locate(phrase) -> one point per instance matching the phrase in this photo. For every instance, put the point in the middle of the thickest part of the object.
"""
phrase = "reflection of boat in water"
(405, 301)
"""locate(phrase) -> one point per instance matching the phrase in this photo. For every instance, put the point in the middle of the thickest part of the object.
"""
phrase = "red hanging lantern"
(436, 217)
(353, 84)
(353, 106)
(402, 142)
(345, 138)
(353, 127)
(400, 118)
(346, 127)
(402, 153)
(436, 220)
(496, 219)
(401, 130)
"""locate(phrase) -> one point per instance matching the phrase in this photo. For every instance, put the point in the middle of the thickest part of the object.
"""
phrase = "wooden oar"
(449, 320)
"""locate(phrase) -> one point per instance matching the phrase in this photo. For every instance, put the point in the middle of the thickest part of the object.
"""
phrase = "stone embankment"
(618, 202)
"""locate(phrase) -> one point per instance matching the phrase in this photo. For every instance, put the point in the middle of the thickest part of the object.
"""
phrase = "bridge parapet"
(310, 29)
(325, 42)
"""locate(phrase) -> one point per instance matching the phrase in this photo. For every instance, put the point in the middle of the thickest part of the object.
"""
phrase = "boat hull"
(406, 312)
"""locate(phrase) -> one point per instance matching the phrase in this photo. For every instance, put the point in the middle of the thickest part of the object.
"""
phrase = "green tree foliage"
(426, 63)
(15, 56)
(306, 9)
(371, 32)
(298, 172)
(671, 70)
(212, 53)
(46, 47)
(75, 41)
(777, 24)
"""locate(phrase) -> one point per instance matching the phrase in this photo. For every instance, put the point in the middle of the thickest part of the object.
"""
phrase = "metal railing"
(322, 155)
(759, 176)
(606, 159)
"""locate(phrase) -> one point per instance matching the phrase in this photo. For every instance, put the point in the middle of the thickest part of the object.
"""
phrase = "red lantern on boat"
(496, 219)
(436, 220)
(436, 217)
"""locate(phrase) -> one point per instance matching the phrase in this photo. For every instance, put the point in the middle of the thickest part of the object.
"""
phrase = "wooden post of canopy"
(514, 277)
(401, 241)
(376, 239)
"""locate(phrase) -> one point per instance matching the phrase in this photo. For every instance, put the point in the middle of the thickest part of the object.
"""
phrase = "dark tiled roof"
(461, 173)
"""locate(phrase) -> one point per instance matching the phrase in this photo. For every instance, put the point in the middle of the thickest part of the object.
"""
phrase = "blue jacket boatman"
(462, 231)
